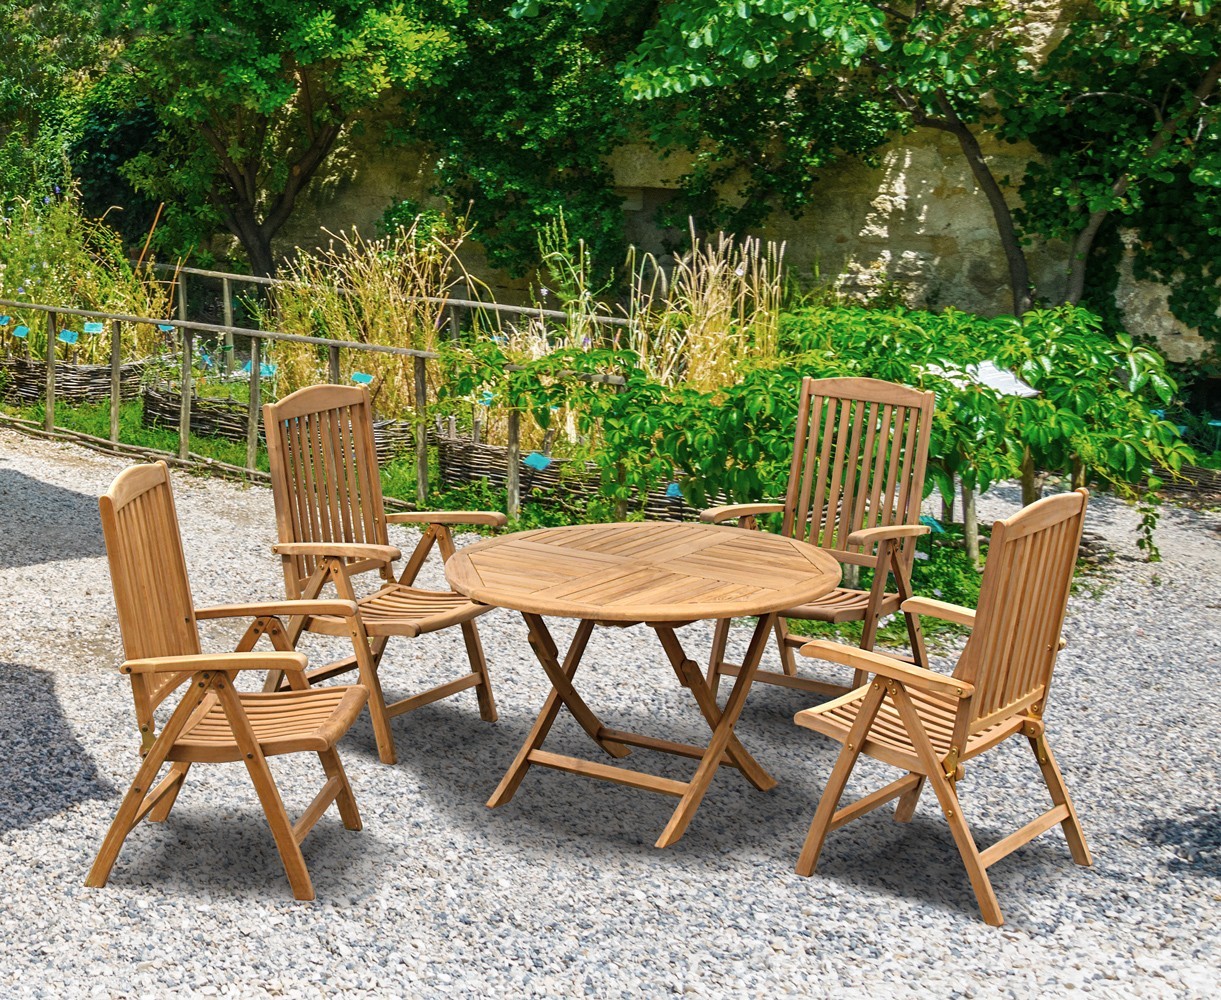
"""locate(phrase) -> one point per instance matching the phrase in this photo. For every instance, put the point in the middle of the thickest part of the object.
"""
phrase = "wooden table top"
(656, 571)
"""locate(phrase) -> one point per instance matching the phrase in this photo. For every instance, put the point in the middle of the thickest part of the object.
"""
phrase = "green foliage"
(49, 53)
(1123, 112)
(116, 127)
(52, 253)
(1094, 416)
(253, 97)
(523, 124)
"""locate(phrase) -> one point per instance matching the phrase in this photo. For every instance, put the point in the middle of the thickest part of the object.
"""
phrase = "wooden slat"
(608, 772)
(1005, 847)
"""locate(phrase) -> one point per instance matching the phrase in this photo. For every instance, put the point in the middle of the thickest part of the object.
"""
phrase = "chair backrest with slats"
(148, 573)
(1023, 598)
(858, 462)
(324, 475)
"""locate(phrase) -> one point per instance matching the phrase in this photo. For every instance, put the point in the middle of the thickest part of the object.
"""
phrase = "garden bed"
(24, 381)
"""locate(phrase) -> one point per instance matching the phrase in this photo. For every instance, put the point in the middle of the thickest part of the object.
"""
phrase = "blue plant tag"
(4, 320)
(68, 336)
(536, 460)
(205, 360)
(486, 399)
(674, 491)
(361, 378)
(1160, 414)
(265, 370)
(21, 331)
(500, 338)
(94, 328)
(165, 327)
(933, 523)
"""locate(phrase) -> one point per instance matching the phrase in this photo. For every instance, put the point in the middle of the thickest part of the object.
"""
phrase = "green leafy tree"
(523, 124)
(50, 50)
(253, 97)
(1125, 114)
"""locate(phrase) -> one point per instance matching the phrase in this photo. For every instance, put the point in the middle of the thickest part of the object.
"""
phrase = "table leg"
(722, 734)
(690, 676)
(545, 649)
(561, 682)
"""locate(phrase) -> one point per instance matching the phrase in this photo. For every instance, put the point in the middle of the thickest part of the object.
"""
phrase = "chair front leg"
(266, 789)
(947, 795)
(838, 781)
(133, 808)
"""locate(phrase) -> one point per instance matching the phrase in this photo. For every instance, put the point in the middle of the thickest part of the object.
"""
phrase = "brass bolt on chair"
(213, 722)
(929, 724)
(332, 528)
(855, 486)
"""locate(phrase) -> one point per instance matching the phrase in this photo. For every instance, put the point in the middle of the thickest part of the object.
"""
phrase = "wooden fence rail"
(187, 331)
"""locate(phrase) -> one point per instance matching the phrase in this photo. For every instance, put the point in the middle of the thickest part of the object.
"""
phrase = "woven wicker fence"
(24, 381)
(562, 483)
(226, 418)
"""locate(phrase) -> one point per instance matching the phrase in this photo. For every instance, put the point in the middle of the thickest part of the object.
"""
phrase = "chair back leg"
(906, 807)
(1059, 795)
(479, 667)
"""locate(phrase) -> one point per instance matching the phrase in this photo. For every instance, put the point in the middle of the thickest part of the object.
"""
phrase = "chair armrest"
(340, 609)
(944, 610)
(886, 666)
(346, 550)
(485, 518)
(870, 536)
(715, 515)
(293, 662)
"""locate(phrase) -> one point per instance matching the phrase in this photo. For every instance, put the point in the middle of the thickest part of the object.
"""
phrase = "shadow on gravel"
(43, 769)
(1196, 840)
(40, 523)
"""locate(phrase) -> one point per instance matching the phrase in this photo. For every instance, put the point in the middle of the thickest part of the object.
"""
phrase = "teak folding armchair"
(213, 722)
(332, 527)
(929, 723)
(855, 486)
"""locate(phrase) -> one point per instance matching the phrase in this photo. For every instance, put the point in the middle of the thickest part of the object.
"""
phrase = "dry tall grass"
(719, 307)
(370, 291)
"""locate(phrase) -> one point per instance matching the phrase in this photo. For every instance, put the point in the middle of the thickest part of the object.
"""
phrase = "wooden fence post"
(252, 407)
(333, 365)
(184, 406)
(116, 374)
(226, 291)
(48, 412)
(421, 431)
(620, 478)
(513, 467)
(182, 296)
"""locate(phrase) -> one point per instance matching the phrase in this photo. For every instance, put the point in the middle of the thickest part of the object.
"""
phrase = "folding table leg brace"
(723, 747)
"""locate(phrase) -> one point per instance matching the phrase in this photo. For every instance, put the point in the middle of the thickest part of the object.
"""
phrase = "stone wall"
(918, 222)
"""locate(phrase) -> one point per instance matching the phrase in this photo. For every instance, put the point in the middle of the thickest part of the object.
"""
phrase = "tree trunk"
(1002, 214)
(947, 504)
(1030, 480)
(970, 526)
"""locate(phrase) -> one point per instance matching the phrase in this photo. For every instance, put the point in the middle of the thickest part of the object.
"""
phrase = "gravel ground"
(560, 892)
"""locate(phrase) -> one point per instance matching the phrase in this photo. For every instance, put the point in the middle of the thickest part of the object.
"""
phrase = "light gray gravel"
(561, 892)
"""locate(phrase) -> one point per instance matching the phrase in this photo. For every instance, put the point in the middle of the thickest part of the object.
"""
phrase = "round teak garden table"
(662, 574)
